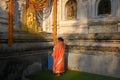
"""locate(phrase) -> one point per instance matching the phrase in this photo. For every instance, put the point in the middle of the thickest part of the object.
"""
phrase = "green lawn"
(69, 75)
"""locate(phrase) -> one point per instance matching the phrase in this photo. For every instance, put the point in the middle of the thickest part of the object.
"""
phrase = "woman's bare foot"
(58, 74)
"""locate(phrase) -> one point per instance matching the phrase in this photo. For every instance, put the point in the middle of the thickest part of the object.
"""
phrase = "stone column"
(118, 8)
(84, 12)
(89, 8)
(63, 2)
(93, 8)
(59, 12)
(113, 6)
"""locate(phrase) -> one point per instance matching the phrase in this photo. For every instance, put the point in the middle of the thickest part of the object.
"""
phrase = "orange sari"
(58, 57)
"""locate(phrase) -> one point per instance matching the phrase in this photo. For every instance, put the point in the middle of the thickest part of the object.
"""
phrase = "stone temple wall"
(4, 14)
(27, 54)
(96, 52)
(93, 44)
(93, 41)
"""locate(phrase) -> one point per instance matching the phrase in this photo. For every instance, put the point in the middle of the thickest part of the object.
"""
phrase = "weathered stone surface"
(99, 52)
(92, 36)
(27, 55)
(3, 16)
(3, 27)
(98, 64)
(19, 66)
(118, 27)
(3, 8)
(103, 21)
(103, 29)
(73, 29)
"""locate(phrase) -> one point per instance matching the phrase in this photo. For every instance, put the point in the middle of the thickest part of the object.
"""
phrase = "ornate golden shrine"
(29, 20)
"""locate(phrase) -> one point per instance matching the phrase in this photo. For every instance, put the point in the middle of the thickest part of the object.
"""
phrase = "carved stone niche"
(71, 10)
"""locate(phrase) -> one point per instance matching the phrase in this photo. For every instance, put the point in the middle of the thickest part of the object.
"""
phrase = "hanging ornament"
(38, 4)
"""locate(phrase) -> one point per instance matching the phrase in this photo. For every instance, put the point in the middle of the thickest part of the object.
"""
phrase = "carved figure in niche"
(71, 10)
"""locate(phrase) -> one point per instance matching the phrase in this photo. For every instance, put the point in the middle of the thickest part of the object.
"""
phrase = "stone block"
(103, 29)
(3, 28)
(98, 64)
(118, 28)
(19, 66)
(73, 29)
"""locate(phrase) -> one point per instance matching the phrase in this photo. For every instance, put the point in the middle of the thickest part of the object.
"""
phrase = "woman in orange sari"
(58, 57)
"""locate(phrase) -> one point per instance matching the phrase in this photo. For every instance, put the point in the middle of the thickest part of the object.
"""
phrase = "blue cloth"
(50, 62)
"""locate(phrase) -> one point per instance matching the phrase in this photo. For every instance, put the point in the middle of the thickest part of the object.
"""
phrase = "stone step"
(92, 52)
(91, 45)
(22, 36)
(24, 54)
(28, 46)
(92, 36)
(3, 20)
(102, 43)
(93, 48)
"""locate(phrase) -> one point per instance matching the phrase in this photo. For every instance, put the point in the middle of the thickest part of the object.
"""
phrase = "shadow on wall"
(3, 18)
(27, 54)
(17, 14)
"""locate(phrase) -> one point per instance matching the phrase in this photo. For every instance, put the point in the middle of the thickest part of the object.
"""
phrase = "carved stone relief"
(71, 10)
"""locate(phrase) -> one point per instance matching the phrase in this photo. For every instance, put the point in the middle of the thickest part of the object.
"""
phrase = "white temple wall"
(86, 10)
(78, 25)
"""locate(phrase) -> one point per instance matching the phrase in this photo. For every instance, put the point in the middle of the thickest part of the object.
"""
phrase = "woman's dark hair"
(60, 39)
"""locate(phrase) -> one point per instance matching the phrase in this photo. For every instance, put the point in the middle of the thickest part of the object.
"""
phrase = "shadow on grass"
(68, 75)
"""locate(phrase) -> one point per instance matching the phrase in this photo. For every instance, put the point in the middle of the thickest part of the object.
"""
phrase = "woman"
(58, 57)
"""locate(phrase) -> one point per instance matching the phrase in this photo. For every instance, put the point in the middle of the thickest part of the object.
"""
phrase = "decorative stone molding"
(103, 21)
(118, 27)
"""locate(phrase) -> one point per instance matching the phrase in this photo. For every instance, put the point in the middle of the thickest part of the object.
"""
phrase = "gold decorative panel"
(71, 10)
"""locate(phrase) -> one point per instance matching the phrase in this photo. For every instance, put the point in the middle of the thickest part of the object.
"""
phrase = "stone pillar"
(113, 7)
(118, 27)
(63, 9)
(118, 8)
(89, 8)
(84, 12)
(93, 8)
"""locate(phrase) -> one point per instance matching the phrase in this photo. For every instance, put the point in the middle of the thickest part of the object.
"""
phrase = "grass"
(69, 75)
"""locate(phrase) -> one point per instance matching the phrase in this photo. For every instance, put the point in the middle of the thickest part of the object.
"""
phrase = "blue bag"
(50, 62)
